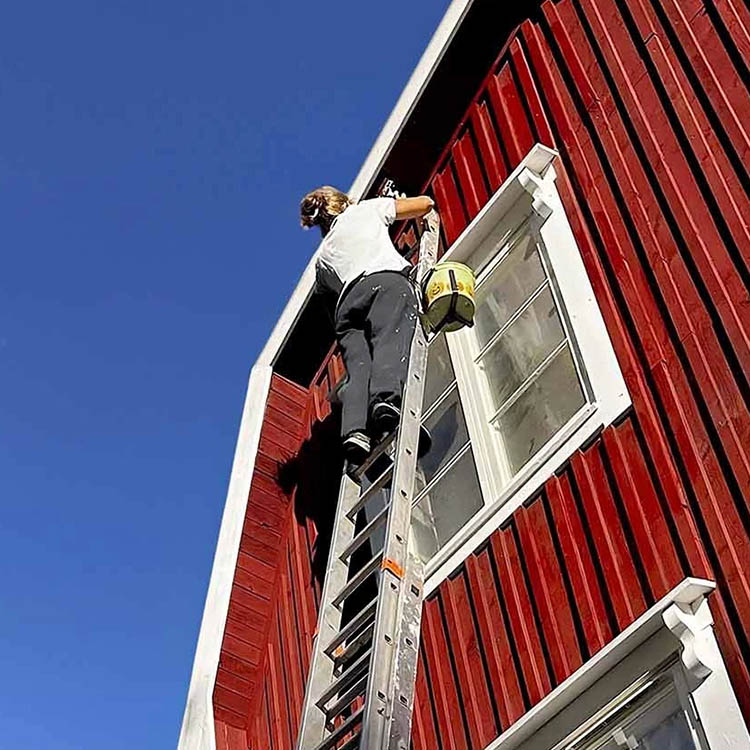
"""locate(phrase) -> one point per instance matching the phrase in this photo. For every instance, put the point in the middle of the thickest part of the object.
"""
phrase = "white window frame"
(678, 626)
(529, 195)
(670, 673)
(422, 495)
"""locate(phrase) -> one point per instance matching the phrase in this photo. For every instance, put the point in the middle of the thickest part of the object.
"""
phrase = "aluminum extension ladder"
(373, 656)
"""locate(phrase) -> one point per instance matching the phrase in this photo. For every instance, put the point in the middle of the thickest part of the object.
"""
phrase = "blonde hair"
(321, 206)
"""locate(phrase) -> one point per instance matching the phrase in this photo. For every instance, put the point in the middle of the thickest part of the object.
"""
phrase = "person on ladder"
(376, 307)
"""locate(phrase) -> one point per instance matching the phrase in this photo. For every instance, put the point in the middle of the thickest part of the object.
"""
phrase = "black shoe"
(384, 418)
(356, 448)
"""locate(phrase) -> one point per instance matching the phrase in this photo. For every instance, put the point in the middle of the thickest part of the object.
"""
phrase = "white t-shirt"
(358, 244)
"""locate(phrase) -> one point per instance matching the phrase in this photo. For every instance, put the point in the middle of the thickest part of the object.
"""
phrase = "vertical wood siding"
(647, 103)
(260, 566)
(569, 571)
(273, 720)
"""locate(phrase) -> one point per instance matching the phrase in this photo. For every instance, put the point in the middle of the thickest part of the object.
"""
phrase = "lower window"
(655, 714)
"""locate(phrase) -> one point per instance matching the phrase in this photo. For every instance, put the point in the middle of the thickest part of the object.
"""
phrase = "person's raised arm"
(413, 208)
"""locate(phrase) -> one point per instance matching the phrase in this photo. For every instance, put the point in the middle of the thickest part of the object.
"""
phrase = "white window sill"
(523, 486)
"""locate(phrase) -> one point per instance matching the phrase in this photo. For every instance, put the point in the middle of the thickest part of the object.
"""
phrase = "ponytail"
(321, 206)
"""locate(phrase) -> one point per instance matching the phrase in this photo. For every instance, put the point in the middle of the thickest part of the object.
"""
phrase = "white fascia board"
(687, 593)
(197, 731)
(395, 123)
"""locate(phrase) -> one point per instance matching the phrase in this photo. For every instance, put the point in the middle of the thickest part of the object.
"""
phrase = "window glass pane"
(439, 371)
(448, 429)
(541, 410)
(446, 506)
(654, 721)
(671, 733)
(424, 530)
(510, 285)
(523, 347)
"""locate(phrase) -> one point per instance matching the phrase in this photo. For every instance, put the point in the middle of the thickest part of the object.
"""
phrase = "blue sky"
(152, 155)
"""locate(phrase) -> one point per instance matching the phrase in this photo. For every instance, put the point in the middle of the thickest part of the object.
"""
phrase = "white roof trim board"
(197, 732)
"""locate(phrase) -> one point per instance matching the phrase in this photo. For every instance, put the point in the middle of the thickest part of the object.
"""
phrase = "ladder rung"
(377, 452)
(366, 533)
(358, 688)
(343, 681)
(352, 627)
(365, 497)
(342, 731)
(355, 645)
(352, 742)
(357, 580)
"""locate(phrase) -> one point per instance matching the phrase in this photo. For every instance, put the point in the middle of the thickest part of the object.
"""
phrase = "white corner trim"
(718, 711)
(689, 594)
(197, 731)
(385, 141)
(691, 625)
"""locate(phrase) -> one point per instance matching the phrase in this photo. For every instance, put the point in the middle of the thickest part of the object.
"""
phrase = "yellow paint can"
(448, 293)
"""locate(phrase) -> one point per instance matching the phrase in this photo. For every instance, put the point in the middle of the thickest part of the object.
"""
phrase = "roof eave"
(372, 165)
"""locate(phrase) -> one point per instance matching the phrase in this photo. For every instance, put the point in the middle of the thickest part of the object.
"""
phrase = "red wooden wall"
(571, 570)
(294, 608)
(260, 565)
(647, 103)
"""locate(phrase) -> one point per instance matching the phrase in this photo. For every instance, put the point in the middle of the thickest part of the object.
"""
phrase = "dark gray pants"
(375, 324)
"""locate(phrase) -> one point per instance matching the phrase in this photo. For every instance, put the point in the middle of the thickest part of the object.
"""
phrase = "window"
(532, 384)
(660, 684)
(510, 399)
(447, 492)
(654, 714)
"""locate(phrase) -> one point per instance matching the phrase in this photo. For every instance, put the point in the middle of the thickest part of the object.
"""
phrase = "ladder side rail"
(320, 674)
(404, 674)
(395, 581)
(406, 658)
(391, 579)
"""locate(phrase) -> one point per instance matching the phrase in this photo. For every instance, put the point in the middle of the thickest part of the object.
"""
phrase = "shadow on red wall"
(314, 474)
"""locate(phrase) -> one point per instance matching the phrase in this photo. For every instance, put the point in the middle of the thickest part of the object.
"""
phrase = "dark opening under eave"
(444, 103)
(465, 64)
